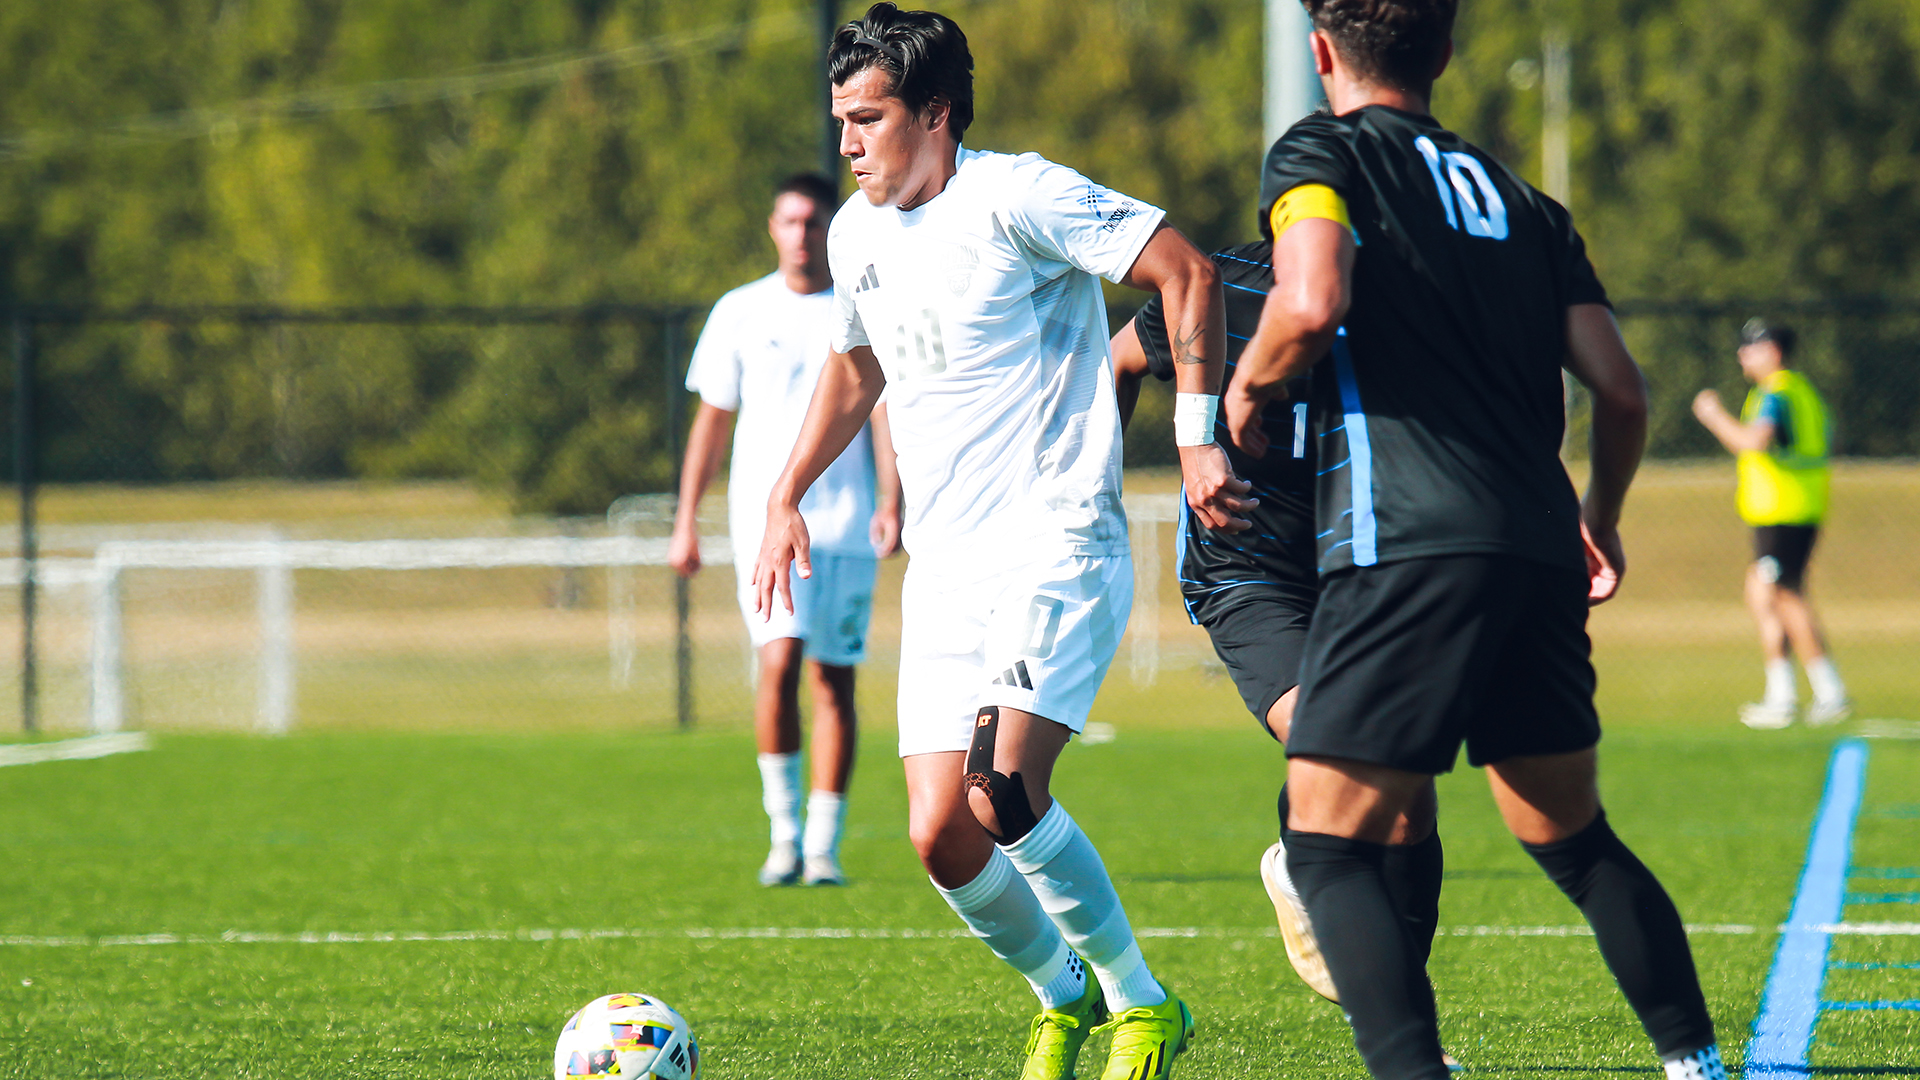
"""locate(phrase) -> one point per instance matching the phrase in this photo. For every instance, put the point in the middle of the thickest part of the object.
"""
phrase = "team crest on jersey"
(960, 267)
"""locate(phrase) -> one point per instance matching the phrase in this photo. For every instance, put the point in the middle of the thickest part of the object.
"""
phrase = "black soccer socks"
(1371, 952)
(1638, 930)
(1412, 873)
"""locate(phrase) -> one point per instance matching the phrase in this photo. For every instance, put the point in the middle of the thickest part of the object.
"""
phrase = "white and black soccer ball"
(629, 1036)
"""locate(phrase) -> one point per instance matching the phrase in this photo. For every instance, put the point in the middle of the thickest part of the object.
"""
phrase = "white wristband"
(1193, 416)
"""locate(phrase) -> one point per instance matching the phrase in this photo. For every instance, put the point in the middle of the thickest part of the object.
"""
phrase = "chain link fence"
(346, 519)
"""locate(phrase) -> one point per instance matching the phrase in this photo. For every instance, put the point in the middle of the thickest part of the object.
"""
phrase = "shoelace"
(1146, 1038)
(1062, 1020)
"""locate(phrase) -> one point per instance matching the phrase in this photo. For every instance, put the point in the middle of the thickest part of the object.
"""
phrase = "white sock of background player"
(1066, 873)
(1782, 691)
(1825, 678)
(1001, 910)
(780, 794)
(826, 820)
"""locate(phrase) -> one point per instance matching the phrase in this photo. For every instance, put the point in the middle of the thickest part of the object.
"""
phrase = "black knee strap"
(1007, 794)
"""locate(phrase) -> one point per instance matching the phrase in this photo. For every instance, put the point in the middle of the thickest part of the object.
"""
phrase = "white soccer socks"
(1829, 693)
(820, 843)
(780, 795)
(1001, 910)
(826, 820)
(1781, 693)
(1071, 883)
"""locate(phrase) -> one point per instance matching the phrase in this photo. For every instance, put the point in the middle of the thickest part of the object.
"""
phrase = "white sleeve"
(1065, 216)
(714, 373)
(847, 330)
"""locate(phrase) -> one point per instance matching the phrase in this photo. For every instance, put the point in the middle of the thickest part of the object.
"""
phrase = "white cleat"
(1699, 1065)
(1823, 713)
(823, 870)
(782, 866)
(1303, 949)
(1766, 716)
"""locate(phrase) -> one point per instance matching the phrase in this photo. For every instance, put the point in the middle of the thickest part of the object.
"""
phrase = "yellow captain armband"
(1308, 201)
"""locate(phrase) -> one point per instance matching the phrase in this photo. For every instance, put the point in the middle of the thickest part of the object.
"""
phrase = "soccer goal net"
(564, 624)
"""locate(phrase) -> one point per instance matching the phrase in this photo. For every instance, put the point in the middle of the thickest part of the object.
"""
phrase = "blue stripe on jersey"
(1244, 288)
(1366, 551)
(1239, 259)
(1180, 546)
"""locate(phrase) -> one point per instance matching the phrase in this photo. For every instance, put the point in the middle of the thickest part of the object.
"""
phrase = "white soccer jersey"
(760, 356)
(983, 309)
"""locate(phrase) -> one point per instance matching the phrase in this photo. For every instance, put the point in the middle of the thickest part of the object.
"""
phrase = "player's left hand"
(784, 548)
(1606, 562)
(884, 531)
(1213, 492)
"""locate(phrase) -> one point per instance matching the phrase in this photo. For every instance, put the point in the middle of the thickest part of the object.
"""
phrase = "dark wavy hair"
(924, 52)
(1395, 42)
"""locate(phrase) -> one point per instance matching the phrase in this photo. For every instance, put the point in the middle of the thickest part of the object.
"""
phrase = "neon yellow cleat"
(1058, 1034)
(1146, 1040)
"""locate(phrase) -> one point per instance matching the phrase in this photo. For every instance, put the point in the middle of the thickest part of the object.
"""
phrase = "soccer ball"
(630, 1036)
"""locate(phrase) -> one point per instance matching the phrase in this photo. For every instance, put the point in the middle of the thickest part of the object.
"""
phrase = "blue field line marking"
(1883, 872)
(1883, 898)
(1790, 1005)
(1860, 1006)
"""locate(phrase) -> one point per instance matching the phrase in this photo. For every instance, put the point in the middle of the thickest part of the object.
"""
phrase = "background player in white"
(966, 288)
(758, 358)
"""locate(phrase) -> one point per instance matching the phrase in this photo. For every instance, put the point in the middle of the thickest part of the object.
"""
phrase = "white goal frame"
(274, 561)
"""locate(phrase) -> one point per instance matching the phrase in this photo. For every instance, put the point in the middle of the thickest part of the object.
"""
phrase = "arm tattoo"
(1184, 346)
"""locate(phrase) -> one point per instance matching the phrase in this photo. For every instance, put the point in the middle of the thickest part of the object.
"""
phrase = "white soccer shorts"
(830, 609)
(1037, 638)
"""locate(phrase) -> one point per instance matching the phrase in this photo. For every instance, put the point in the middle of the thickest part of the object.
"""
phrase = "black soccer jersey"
(1439, 413)
(1279, 547)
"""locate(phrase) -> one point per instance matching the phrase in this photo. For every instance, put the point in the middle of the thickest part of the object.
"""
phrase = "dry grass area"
(359, 632)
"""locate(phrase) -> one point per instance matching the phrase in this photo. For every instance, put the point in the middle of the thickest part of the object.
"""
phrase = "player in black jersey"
(1254, 591)
(1446, 296)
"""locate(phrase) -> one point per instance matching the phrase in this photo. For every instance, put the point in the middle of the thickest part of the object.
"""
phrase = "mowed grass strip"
(422, 832)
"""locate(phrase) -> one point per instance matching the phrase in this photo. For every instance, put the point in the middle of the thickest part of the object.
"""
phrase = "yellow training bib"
(1308, 201)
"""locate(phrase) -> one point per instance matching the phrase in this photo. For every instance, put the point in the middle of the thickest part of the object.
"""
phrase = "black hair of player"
(924, 51)
(1783, 337)
(812, 185)
(1398, 43)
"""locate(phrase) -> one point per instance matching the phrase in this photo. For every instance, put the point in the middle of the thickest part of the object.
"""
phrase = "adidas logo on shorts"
(1015, 676)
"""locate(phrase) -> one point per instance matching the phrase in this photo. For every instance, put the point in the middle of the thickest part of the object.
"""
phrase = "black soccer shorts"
(1260, 632)
(1782, 551)
(1406, 661)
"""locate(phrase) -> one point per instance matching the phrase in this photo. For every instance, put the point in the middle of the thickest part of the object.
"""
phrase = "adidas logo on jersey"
(868, 280)
(1015, 676)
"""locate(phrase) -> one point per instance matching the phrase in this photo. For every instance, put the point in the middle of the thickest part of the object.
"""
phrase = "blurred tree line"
(317, 153)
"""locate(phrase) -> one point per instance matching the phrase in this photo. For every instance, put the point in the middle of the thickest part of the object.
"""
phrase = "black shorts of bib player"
(1436, 298)
(1255, 591)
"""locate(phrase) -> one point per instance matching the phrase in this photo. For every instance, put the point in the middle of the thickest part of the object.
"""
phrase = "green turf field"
(660, 833)
(463, 766)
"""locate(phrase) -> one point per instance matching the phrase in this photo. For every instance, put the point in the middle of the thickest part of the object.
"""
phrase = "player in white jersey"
(758, 359)
(966, 286)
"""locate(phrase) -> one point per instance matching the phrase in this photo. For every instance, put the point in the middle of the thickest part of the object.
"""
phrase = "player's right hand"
(1243, 409)
(783, 547)
(1606, 562)
(683, 553)
(1215, 495)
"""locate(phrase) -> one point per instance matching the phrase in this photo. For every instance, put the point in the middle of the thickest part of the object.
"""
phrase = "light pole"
(1292, 86)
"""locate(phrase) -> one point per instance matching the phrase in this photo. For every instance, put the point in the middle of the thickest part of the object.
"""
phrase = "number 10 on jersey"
(920, 349)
